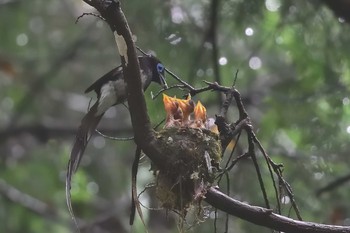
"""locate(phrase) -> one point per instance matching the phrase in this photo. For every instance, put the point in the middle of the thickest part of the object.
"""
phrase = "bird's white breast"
(112, 93)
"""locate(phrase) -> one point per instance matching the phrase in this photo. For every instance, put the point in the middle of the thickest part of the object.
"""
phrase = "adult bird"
(110, 90)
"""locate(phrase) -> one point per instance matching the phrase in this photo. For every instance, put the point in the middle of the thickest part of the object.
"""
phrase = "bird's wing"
(110, 76)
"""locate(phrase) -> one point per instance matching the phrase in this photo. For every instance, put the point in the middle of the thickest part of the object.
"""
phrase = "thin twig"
(90, 13)
(278, 171)
(27, 201)
(178, 86)
(235, 80)
(251, 151)
(236, 160)
(228, 193)
(333, 184)
(233, 150)
(215, 220)
(114, 138)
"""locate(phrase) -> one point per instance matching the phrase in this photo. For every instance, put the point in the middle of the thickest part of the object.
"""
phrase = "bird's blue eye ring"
(160, 68)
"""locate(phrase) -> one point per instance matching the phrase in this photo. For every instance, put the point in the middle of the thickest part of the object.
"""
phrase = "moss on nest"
(193, 156)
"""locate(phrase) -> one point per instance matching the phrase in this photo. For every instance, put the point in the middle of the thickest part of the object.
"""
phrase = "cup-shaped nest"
(193, 156)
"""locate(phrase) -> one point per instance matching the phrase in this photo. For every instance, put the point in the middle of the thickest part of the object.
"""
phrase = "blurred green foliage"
(293, 59)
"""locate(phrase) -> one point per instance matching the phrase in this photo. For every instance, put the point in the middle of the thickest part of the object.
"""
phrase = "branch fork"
(146, 140)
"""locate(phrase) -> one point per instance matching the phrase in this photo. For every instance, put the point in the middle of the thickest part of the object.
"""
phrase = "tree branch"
(265, 217)
(44, 132)
(36, 87)
(29, 202)
(146, 140)
(333, 185)
(143, 132)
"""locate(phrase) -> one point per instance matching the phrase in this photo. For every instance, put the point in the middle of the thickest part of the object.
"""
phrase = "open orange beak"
(200, 112)
(173, 111)
(187, 107)
(168, 104)
(178, 112)
(172, 107)
(200, 116)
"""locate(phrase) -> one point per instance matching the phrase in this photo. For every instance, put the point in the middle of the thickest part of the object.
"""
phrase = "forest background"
(294, 75)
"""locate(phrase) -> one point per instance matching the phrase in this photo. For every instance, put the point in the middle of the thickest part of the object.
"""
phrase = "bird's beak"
(162, 81)
(168, 103)
(200, 112)
(187, 106)
(172, 107)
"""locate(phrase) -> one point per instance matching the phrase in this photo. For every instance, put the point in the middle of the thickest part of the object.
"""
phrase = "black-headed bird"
(110, 90)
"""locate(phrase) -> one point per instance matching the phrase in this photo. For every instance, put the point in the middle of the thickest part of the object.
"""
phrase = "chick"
(187, 107)
(174, 113)
(200, 116)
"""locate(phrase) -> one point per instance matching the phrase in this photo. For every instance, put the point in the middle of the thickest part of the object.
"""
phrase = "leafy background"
(294, 76)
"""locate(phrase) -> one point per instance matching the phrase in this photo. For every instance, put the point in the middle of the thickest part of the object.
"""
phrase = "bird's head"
(158, 69)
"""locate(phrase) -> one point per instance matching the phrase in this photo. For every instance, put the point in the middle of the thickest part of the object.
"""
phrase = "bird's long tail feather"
(85, 130)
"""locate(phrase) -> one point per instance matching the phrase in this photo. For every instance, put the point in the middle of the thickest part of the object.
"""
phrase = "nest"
(193, 155)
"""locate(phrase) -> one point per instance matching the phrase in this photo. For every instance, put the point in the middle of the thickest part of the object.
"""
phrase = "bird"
(178, 111)
(200, 116)
(187, 106)
(110, 90)
(174, 114)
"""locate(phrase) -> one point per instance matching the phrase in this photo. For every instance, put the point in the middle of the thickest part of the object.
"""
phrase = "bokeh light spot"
(22, 39)
(255, 63)
(223, 61)
(249, 31)
(272, 5)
